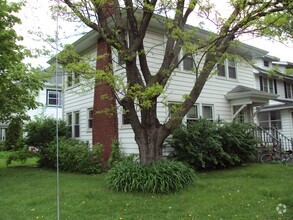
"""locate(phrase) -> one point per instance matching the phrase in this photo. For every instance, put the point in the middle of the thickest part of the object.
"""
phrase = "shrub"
(116, 154)
(161, 177)
(2, 147)
(20, 156)
(41, 131)
(239, 141)
(74, 156)
(199, 145)
(14, 140)
(209, 145)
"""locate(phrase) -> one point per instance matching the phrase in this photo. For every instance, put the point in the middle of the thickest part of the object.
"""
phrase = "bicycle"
(276, 156)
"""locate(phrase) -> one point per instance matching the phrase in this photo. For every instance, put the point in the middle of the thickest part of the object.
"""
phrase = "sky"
(36, 17)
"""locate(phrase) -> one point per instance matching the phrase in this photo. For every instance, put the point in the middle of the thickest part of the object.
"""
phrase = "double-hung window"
(72, 79)
(53, 97)
(288, 90)
(90, 118)
(268, 85)
(227, 69)
(73, 122)
(188, 64)
(200, 111)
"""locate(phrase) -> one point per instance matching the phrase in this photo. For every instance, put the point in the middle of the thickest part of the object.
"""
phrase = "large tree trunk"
(150, 142)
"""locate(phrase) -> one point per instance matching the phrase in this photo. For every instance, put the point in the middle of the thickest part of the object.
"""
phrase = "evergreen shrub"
(162, 177)
(14, 140)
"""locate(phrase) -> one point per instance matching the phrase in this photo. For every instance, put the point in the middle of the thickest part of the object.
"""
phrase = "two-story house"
(232, 93)
(277, 116)
(50, 97)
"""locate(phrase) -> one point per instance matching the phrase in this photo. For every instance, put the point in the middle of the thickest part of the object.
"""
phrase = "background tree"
(19, 83)
(116, 20)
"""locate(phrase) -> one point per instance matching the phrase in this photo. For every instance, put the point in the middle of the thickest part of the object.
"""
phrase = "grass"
(248, 192)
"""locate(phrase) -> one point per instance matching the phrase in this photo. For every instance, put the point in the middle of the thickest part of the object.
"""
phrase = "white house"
(277, 116)
(50, 97)
(236, 91)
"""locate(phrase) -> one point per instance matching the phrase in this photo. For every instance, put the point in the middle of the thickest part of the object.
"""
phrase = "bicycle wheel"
(289, 160)
(266, 158)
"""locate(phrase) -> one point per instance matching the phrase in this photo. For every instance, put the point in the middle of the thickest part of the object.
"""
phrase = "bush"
(20, 156)
(14, 140)
(2, 147)
(206, 145)
(239, 141)
(162, 177)
(41, 131)
(74, 156)
(199, 145)
(116, 154)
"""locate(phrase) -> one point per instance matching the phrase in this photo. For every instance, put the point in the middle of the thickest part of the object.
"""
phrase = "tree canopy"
(124, 24)
(19, 83)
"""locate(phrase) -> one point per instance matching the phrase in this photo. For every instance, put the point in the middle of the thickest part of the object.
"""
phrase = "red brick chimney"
(105, 126)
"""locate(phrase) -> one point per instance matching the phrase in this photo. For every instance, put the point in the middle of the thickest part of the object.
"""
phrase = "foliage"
(238, 141)
(116, 154)
(162, 177)
(19, 83)
(14, 140)
(20, 156)
(206, 145)
(2, 146)
(74, 156)
(41, 131)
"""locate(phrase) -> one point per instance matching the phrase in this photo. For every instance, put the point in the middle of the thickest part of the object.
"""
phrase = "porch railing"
(273, 138)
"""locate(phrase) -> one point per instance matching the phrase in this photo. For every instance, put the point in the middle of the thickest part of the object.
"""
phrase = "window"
(232, 69)
(270, 119)
(73, 121)
(288, 90)
(268, 85)
(192, 114)
(188, 63)
(53, 97)
(266, 63)
(90, 118)
(69, 122)
(76, 124)
(227, 69)
(207, 112)
(72, 79)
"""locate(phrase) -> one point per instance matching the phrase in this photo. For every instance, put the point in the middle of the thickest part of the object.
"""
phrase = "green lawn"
(248, 192)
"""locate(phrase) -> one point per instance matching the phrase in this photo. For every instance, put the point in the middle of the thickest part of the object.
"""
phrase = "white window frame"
(58, 97)
(267, 85)
(90, 114)
(73, 123)
(269, 119)
(72, 79)
(198, 114)
(288, 90)
(226, 75)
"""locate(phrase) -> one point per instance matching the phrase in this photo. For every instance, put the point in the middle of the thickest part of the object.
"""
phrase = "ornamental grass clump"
(161, 177)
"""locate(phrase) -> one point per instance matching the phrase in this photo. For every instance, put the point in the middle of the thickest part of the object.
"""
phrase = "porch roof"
(278, 105)
(242, 95)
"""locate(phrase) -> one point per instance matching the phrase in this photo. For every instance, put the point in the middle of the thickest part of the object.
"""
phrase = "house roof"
(83, 44)
(278, 105)
(275, 75)
(245, 95)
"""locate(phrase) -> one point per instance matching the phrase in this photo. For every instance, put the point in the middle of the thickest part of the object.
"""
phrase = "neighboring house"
(231, 94)
(277, 116)
(50, 98)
